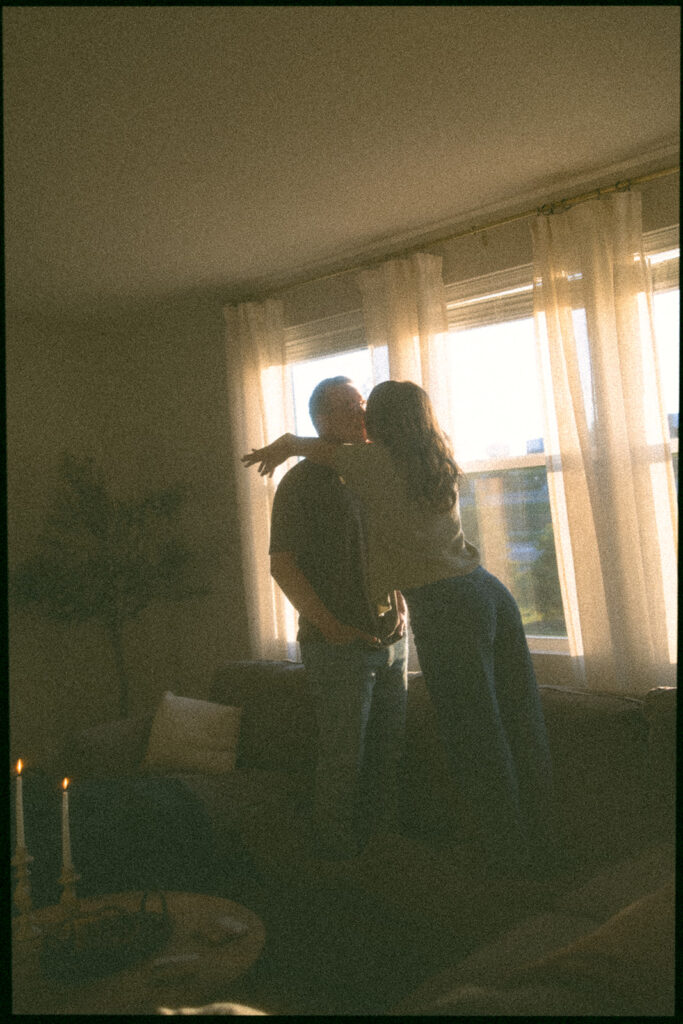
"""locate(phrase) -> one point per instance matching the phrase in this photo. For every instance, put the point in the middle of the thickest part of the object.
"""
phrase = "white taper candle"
(21, 838)
(66, 833)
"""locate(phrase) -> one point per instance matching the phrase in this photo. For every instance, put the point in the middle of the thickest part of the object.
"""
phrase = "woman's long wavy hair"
(399, 414)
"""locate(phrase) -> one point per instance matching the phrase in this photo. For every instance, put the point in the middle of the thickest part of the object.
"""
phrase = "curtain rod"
(546, 208)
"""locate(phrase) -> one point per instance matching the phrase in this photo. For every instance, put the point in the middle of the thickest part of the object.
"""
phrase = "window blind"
(475, 302)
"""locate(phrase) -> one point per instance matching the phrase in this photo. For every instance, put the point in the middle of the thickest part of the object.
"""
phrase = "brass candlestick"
(68, 900)
(25, 929)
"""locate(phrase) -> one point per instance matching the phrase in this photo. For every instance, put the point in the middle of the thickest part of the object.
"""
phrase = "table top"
(208, 957)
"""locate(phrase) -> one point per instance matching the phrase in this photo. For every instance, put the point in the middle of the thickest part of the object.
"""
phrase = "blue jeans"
(477, 668)
(361, 709)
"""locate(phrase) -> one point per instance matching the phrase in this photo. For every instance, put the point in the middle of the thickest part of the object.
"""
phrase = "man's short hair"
(320, 395)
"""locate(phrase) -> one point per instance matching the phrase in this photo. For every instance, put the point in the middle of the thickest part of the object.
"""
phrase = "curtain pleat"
(404, 308)
(610, 472)
(261, 408)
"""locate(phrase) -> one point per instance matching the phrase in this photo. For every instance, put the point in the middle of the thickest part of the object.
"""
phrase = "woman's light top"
(407, 546)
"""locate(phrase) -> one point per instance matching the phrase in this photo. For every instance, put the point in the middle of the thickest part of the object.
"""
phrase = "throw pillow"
(618, 885)
(630, 957)
(190, 735)
(487, 968)
(624, 967)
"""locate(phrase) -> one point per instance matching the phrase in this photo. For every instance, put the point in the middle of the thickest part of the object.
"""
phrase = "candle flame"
(20, 765)
(65, 783)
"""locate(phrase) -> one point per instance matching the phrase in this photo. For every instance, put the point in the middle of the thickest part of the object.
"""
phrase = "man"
(355, 654)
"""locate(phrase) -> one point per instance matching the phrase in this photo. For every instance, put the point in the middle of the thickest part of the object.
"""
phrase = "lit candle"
(66, 835)
(21, 838)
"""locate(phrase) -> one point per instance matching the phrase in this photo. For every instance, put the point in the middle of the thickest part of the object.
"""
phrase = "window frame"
(507, 295)
(497, 297)
(500, 297)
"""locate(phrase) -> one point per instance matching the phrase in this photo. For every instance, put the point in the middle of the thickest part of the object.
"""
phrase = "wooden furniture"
(199, 961)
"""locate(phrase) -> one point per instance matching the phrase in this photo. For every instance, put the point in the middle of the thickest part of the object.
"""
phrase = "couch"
(597, 938)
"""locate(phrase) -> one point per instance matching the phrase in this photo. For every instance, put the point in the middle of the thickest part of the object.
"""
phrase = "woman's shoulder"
(371, 450)
(372, 455)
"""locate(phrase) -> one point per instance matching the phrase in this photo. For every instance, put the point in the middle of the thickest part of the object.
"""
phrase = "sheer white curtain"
(610, 473)
(404, 308)
(261, 409)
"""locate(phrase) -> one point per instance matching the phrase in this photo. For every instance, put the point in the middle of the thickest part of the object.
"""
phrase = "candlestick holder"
(68, 900)
(103, 939)
(25, 928)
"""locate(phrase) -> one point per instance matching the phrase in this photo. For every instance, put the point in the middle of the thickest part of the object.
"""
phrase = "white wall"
(142, 390)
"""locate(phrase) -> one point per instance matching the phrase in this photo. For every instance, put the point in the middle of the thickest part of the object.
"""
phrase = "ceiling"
(152, 150)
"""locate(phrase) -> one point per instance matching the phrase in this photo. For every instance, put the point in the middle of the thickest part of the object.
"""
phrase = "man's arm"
(299, 591)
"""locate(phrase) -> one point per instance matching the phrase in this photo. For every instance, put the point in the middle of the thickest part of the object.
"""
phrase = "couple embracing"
(368, 523)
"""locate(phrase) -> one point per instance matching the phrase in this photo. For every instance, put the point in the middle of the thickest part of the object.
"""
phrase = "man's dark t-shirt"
(318, 519)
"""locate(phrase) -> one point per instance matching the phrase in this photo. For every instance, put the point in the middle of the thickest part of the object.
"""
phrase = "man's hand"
(335, 632)
(299, 591)
(271, 456)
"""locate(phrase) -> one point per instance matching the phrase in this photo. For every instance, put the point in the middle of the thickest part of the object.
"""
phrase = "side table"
(206, 961)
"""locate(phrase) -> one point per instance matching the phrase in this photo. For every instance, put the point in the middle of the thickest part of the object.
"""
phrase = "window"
(356, 364)
(496, 425)
(662, 249)
(495, 416)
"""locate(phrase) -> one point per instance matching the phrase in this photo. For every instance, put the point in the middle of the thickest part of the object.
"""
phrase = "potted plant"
(99, 557)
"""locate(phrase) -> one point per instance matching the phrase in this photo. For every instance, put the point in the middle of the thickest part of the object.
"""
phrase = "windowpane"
(496, 407)
(506, 513)
(666, 315)
(496, 413)
(667, 338)
(364, 368)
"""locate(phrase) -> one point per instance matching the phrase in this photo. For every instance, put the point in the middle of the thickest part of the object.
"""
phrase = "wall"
(141, 389)
(485, 252)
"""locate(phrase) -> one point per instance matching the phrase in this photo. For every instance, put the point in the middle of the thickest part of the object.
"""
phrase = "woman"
(467, 627)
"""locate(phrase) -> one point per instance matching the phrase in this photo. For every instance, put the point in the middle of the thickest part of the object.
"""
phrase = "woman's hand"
(399, 629)
(394, 621)
(271, 456)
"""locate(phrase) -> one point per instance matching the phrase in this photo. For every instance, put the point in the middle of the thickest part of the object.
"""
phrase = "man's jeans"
(361, 708)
